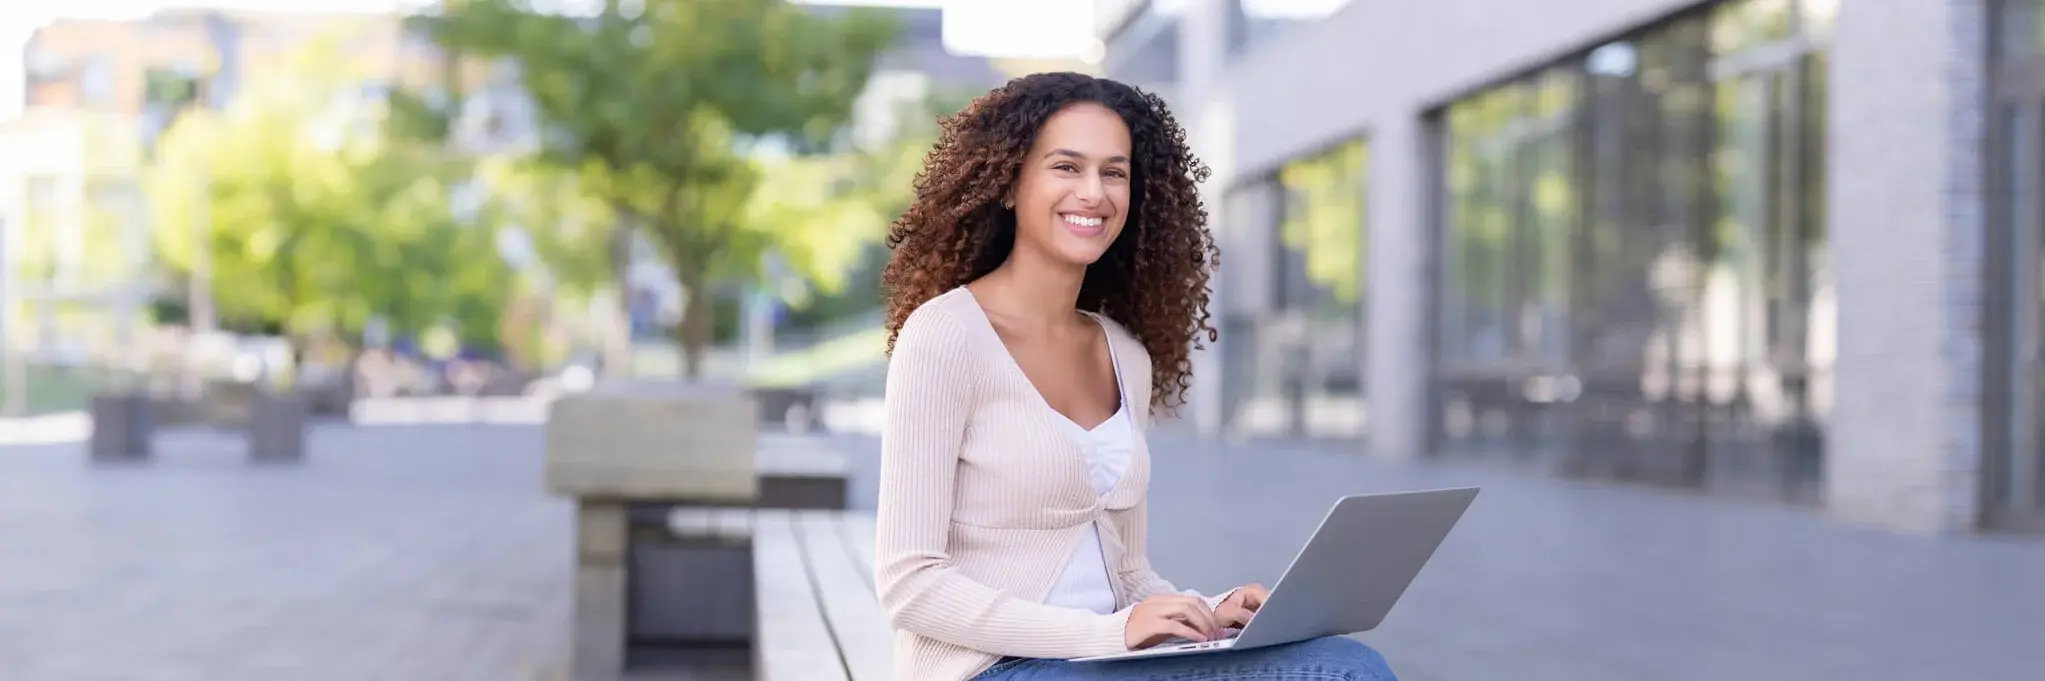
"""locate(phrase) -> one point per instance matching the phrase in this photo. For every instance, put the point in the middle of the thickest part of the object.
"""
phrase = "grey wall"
(1905, 199)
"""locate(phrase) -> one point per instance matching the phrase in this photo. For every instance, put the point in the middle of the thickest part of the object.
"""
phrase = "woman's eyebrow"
(1077, 155)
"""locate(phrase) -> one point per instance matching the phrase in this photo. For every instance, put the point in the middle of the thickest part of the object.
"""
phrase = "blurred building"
(1787, 249)
(110, 65)
(916, 69)
(100, 93)
(69, 206)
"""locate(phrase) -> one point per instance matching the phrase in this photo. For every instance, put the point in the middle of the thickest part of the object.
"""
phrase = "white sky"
(1015, 28)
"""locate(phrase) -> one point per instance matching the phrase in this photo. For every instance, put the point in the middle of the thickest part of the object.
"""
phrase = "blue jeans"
(1332, 658)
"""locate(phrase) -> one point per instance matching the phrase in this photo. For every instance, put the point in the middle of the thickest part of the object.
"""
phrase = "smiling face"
(1071, 200)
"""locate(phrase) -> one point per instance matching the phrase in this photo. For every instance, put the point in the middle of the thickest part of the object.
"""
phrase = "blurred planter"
(122, 426)
(276, 425)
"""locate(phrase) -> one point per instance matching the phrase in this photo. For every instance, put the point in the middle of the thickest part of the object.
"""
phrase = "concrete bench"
(798, 471)
(666, 480)
(273, 422)
(817, 617)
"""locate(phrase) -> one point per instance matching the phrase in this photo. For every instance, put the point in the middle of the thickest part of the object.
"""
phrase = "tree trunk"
(698, 318)
(617, 356)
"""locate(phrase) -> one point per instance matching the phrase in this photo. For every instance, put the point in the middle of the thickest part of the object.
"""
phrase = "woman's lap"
(1331, 658)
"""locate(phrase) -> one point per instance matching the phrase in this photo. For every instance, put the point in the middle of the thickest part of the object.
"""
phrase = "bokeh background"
(1737, 307)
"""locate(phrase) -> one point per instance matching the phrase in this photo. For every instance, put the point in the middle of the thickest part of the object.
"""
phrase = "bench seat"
(817, 616)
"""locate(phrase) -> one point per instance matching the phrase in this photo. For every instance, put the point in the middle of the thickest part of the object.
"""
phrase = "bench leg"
(600, 532)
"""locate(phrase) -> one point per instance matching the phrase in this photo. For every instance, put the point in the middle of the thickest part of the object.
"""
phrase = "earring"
(1007, 204)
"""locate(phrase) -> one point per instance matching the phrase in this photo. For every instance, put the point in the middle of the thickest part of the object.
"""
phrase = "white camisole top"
(1084, 583)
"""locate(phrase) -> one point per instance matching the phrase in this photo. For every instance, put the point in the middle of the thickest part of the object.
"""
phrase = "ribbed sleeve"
(933, 389)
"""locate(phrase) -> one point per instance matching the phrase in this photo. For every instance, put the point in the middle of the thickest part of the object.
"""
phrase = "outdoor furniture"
(818, 618)
(227, 404)
(273, 420)
(666, 480)
(801, 472)
(689, 578)
(276, 426)
(626, 453)
(122, 426)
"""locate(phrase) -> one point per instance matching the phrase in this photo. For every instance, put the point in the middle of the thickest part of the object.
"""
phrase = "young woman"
(1046, 287)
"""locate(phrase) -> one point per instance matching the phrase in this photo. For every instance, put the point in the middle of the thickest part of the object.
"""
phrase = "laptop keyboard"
(1179, 642)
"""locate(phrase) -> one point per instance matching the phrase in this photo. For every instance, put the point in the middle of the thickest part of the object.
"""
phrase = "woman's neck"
(1033, 292)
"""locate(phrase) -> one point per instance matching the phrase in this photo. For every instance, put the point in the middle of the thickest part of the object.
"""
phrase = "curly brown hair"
(1152, 280)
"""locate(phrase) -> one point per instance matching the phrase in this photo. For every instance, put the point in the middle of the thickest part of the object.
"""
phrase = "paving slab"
(1548, 578)
(406, 553)
(431, 552)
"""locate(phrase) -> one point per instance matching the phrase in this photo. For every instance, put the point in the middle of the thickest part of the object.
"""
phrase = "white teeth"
(1083, 221)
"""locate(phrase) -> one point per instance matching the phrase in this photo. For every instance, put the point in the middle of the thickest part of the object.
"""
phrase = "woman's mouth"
(1084, 225)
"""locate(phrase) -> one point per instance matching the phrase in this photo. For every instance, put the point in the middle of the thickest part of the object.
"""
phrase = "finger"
(1254, 595)
(1230, 616)
(1176, 628)
(1190, 609)
(1201, 618)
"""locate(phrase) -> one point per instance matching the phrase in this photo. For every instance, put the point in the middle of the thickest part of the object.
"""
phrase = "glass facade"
(2014, 432)
(1295, 351)
(1633, 281)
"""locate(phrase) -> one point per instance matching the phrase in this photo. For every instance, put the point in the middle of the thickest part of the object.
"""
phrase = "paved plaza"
(430, 553)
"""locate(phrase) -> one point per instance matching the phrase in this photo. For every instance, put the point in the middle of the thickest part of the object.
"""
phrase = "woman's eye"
(1116, 173)
(1066, 167)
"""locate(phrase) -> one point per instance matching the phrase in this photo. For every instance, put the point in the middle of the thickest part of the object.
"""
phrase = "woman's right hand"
(1164, 616)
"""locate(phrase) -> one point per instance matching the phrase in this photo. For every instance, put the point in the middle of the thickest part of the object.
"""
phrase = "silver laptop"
(1354, 568)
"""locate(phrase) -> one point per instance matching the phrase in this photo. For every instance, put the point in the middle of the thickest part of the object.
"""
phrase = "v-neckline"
(1121, 395)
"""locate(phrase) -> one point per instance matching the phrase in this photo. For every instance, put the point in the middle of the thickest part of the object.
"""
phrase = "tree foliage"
(658, 108)
(315, 221)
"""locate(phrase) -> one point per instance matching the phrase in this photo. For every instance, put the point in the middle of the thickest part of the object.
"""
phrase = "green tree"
(657, 107)
(834, 210)
(315, 221)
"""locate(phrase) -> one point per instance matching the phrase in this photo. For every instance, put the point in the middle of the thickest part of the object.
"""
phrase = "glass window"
(1480, 266)
(2019, 30)
(36, 251)
(1321, 230)
(96, 80)
(1733, 247)
(1553, 201)
(1294, 327)
(2015, 317)
(1315, 325)
(1741, 24)
(1631, 254)
(1818, 16)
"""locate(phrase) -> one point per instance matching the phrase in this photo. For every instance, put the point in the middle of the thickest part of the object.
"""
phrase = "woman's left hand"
(1236, 610)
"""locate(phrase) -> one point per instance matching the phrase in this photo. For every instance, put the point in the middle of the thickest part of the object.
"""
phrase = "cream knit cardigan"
(984, 495)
